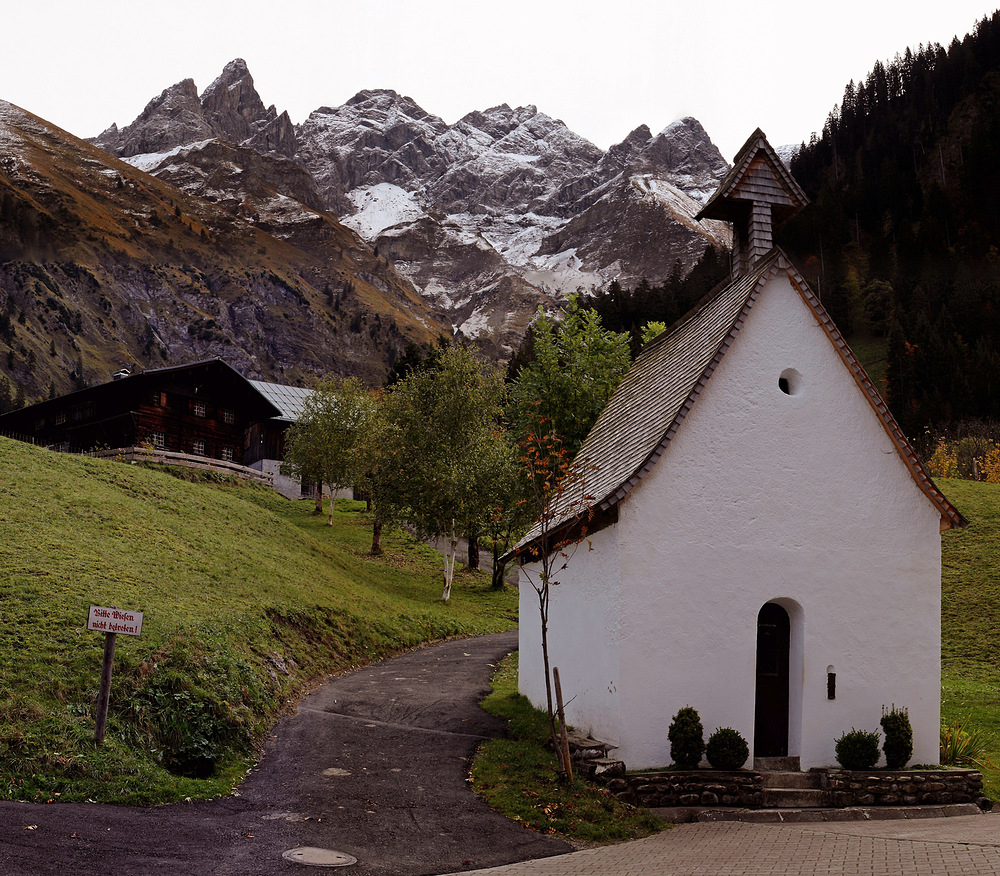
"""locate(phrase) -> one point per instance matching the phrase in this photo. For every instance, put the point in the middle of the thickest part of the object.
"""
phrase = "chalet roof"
(757, 173)
(664, 383)
(216, 371)
(290, 400)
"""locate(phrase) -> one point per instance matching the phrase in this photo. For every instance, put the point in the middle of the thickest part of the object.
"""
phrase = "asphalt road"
(371, 765)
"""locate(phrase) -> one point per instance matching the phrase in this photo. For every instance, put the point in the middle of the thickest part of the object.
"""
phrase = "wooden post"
(104, 694)
(563, 735)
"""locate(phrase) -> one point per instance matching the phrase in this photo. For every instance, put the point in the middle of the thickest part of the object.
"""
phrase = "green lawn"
(247, 600)
(970, 617)
(517, 777)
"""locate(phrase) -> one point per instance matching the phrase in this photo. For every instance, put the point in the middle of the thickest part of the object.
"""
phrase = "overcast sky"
(602, 67)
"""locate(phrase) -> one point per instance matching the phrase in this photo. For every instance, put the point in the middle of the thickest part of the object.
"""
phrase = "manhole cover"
(313, 857)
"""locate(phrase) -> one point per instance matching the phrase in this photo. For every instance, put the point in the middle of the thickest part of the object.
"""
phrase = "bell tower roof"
(758, 193)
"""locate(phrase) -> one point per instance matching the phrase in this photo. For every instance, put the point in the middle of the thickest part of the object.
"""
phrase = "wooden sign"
(114, 620)
(111, 622)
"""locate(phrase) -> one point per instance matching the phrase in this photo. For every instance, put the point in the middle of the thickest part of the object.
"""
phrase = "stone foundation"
(903, 787)
(842, 788)
(741, 788)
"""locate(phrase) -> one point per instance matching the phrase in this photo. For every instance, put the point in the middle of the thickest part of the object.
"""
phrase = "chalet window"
(40, 423)
(227, 454)
(60, 418)
(198, 448)
(228, 415)
(198, 409)
(158, 439)
(83, 411)
(160, 399)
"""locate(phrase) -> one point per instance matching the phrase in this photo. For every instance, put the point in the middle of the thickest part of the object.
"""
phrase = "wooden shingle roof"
(757, 174)
(663, 385)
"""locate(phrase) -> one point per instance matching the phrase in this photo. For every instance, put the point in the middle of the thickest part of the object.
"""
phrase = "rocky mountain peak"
(230, 109)
(685, 146)
(622, 153)
(378, 101)
(686, 155)
(232, 106)
(277, 135)
(490, 216)
(172, 119)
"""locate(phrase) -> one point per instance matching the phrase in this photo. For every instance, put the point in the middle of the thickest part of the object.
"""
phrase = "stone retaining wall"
(745, 788)
(903, 787)
(740, 788)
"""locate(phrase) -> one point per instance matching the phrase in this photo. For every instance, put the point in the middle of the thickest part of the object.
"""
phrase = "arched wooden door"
(771, 704)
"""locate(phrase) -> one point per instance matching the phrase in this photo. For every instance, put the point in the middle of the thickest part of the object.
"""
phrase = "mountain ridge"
(493, 205)
(104, 266)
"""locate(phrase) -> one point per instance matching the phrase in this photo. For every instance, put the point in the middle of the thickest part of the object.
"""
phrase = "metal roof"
(289, 400)
(664, 383)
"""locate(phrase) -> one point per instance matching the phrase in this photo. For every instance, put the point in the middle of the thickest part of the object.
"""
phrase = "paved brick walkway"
(958, 846)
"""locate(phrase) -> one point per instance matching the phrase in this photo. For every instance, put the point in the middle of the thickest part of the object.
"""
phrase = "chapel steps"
(787, 787)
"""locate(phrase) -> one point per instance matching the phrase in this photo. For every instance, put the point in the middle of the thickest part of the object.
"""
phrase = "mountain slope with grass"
(104, 266)
(247, 599)
(970, 621)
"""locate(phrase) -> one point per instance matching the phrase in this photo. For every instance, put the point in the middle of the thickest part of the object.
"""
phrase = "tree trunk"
(543, 598)
(319, 498)
(333, 490)
(377, 537)
(473, 550)
(451, 548)
(498, 568)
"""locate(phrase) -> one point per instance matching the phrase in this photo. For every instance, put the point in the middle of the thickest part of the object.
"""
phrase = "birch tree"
(321, 444)
(378, 468)
(447, 418)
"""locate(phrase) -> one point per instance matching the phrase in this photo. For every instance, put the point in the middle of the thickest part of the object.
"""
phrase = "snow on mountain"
(379, 207)
(488, 217)
(787, 152)
(150, 161)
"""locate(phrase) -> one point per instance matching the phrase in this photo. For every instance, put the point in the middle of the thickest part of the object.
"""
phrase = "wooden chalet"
(202, 410)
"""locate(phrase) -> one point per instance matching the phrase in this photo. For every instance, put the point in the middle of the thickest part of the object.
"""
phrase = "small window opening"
(790, 382)
(831, 683)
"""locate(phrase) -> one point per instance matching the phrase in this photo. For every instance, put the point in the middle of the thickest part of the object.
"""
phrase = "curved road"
(372, 764)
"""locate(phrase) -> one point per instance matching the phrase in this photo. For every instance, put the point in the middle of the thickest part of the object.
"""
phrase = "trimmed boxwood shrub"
(857, 750)
(687, 739)
(898, 745)
(727, 749)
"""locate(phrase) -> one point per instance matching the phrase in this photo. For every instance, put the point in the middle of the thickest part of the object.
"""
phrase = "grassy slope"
(515, 777)
(247, 599)
(970, 617)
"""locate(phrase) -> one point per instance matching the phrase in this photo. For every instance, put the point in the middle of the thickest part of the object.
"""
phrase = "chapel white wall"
(584, 635)
(763, 496)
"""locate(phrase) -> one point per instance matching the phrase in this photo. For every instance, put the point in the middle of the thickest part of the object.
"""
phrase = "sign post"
(111, 622)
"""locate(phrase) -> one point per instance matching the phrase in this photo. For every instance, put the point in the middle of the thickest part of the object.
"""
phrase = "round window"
(790, 382)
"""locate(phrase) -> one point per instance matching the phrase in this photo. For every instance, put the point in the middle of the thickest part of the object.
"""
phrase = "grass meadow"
(248, 600)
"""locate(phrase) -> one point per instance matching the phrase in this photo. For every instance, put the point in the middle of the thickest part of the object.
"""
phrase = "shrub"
(898, 745)
(727, 749)
(964, 746)
(943, 462)
(857, 750)
(687, 738)
(990, 465)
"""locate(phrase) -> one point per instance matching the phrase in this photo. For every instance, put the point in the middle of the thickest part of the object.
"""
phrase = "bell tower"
(757, 194)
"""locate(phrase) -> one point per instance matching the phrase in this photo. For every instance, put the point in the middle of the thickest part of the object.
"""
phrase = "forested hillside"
(901, 240)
